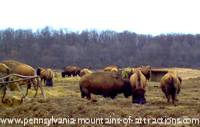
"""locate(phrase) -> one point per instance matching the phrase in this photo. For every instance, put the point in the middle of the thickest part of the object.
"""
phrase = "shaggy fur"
(84, 72)
(46, 75)
(170, 84)
(107, 84)
(71, 71)
(138, 83)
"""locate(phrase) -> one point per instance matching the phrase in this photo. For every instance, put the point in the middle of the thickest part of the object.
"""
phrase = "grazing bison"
(71, 70)
(84, 72)
(138, 83)
(11, 63)
(111, 68)
(170, 84)
(22, 69)
(46, 75)
(108, 84)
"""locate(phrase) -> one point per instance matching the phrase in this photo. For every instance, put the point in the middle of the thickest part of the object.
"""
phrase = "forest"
(48, 47)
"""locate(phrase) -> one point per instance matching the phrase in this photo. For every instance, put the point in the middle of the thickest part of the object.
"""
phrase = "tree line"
(48, 47)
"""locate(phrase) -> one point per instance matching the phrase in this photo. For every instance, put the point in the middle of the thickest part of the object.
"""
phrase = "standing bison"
(25, 70)
(138, 83)
(22, 69)
(170, 85)
(46, 75)
(108, 84)
(71, 71)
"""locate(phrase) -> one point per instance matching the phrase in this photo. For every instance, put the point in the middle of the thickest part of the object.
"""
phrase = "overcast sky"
(140, 16)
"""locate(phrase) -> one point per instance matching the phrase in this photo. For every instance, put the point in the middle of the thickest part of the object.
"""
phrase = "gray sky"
(140, 16)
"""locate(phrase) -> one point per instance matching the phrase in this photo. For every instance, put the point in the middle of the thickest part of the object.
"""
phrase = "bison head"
(139, 96)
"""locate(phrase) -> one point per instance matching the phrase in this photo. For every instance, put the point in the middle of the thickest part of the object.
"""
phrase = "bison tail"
(171, 87)
(138, 84)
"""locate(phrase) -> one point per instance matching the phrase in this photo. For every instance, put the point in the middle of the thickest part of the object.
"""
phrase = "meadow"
(64, 100)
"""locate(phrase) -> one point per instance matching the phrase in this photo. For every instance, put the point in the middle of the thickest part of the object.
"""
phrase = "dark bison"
(71, 71)
(108, 84)
(138, 83)
(170, 85)
(46, 75)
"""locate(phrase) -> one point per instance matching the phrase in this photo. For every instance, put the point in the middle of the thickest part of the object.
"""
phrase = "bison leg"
(25, 94)
(168, 97)
(49, 82)
(63, 74)
(173, 98)
(4, 94)
(134, 100)
(85, 92)
(88, 96)
(82, 92)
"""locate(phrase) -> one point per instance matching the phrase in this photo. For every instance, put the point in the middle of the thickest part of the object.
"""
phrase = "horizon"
(154, 17)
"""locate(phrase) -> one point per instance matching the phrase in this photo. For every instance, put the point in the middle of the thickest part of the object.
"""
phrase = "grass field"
(63, 100)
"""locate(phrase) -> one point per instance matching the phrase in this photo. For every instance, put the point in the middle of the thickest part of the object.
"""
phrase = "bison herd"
(108, 82)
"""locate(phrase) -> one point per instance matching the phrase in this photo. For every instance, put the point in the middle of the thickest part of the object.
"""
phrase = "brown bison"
(108, 84)
(46, 75)
(84, 72)
(170, 84)
(71, 70)
(138, 83)
(24, 71)
(111, 68)
(11, 63)
(21, 68)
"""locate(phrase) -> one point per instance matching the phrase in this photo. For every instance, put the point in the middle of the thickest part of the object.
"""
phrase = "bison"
(170, 85)
(111, 68)
(84, 72)
(46, 75)
(146, 70)
(22, 69)
(107, 84)
(138, 82)
(71, 70)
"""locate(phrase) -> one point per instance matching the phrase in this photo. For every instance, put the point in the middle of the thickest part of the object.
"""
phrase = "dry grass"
(64, 100)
